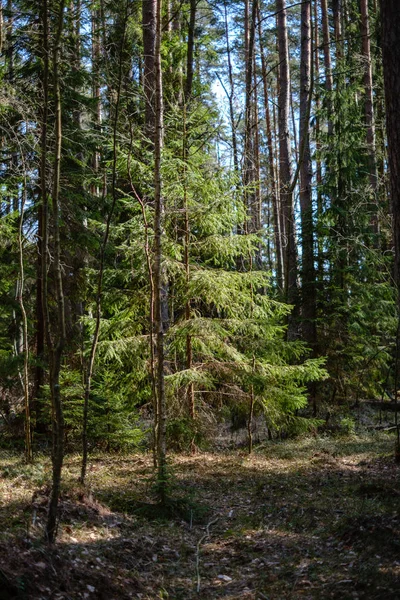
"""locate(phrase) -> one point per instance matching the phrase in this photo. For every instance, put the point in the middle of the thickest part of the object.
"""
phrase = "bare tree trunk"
(231, 95)
(337, 25)
(25, 341)
(369, 112)
(390, 18)
(286, 195)
(186, 243)
(1, 29)
(248, 159)
(190, 51)
(271, 166)
(99, 292)
(159, 283)
(326, 45)
(257, 208)
(307, 227)
(318, 144)
(56, 347)
(149, 76)
(327, 59)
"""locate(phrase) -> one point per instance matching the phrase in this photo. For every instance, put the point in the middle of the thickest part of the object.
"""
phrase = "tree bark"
(307, 227)
(369, 112)
(159, 283)
(149, 75)
(390, 18)
(99, 292)
(250, 226)
(190, 51)
(56, 346)
(337, 25)
(286, 195)
(271, 166)
(327, 60)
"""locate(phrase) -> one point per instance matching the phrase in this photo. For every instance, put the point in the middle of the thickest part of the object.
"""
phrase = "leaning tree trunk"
(390, 16)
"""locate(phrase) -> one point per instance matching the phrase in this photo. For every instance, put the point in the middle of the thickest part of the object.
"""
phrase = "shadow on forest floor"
(316, 518)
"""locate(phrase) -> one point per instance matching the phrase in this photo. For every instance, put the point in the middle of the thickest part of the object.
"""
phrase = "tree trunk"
(190, 51)
(231, 95)
(307, 236)
(286, 195)
(159, 283)
(320, 268)
(390, 16)
(99, 291)
(369, 112)
(149, 76)
(25, 341)
(337, 25)
(56, 346)
(271, 166)
(250, 226)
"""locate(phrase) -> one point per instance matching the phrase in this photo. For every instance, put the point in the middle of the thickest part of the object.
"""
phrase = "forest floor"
(310, 518)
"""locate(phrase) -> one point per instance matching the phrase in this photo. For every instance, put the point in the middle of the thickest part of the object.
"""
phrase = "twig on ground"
(201, 540)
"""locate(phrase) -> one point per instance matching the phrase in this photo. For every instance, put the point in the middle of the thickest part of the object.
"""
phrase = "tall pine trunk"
(327, 60)
(369, 113)
(149, 8)
(271, 165)
(390, 16)
(56, 342)
(159, 275)
(285, 170)
(307, 227)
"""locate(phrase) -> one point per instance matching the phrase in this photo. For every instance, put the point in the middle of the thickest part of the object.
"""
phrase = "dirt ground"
(311, 518)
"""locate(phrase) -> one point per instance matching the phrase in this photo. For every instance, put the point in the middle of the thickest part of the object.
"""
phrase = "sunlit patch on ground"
(313, 518)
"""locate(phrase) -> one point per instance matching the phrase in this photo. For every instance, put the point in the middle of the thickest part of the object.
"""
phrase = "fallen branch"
(201, 540)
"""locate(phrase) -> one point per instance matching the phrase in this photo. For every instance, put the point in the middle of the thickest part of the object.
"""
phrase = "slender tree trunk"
(326, 45)
(257, 209)
(190, 51)
(159, 283)
(231, 95)
(149, 76)
(307, 227)
(286, 195)
(390, 18)
(188, 310)
(25, 341)
(337, 25)
(249, 158)
(271, 166)
(99, 291)
(57, 346)
(327, 59)
(369, 112)
(318, 146)
(1, 29)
